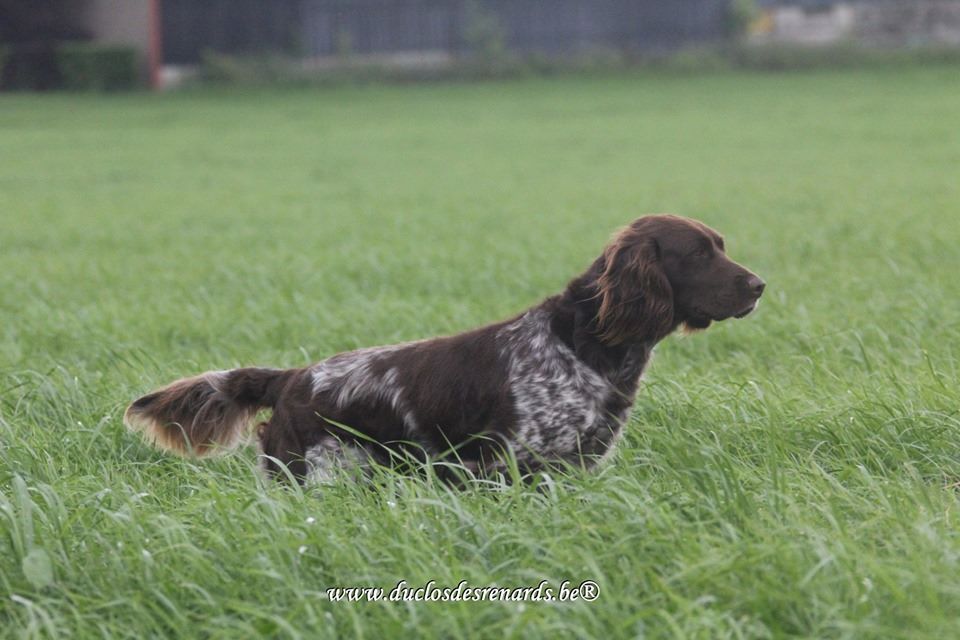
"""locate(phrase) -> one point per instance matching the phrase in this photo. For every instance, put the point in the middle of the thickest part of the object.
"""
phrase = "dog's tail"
(206, 413)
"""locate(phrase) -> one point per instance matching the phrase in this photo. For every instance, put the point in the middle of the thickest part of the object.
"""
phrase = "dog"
(551, 386)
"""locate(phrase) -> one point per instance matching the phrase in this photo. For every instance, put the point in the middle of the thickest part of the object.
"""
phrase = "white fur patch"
(559, 400)
(332, 458)
(350, 377)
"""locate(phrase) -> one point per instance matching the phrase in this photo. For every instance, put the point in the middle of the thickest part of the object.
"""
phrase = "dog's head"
(665, 271)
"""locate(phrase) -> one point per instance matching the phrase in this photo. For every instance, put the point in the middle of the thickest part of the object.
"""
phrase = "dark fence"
(310, 28)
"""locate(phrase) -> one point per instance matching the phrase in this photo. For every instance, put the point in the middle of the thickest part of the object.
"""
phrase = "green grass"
(793, 473)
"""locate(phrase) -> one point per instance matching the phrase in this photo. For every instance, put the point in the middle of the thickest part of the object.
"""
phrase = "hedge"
(93, 67)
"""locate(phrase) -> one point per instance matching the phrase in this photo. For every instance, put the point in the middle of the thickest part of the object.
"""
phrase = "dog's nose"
(755, 285)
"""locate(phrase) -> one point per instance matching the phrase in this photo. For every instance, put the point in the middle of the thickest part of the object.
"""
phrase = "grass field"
(793, 473)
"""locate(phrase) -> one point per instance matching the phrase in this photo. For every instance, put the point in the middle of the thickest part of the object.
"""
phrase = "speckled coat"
(553, 385)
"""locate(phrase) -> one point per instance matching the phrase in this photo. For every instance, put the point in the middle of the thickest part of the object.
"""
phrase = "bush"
(484, 36)
(789, 57)
(250, 70)
(93, 67)
(739, 16)
(271, 69)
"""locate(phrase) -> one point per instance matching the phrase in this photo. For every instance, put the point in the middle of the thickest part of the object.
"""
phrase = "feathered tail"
(206, 413)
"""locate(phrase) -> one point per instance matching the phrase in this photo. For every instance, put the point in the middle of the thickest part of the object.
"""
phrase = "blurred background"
(122, 44)
(188, 185)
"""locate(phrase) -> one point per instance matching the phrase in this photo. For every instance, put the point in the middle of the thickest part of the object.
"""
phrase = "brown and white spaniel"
(552, 385)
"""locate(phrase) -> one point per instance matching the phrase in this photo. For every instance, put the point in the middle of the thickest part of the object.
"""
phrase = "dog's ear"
(636, 299)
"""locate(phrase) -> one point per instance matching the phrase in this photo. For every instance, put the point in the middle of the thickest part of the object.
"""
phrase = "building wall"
(923, 22)
(880, 22)
(124, 22)
(818, 25)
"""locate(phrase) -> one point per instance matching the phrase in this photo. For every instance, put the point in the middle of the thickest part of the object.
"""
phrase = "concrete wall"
(812, 26)
(124, 22)
(924, 22)
(891, 22)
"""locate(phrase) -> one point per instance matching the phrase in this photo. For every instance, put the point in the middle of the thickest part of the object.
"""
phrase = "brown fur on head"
(635, 296)
(664, 271)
